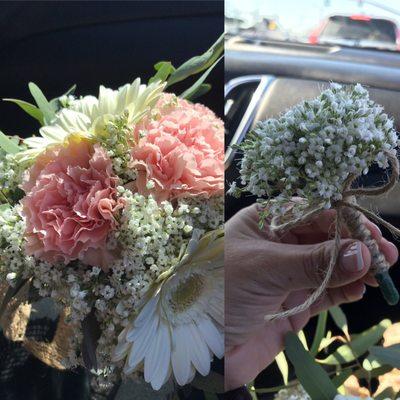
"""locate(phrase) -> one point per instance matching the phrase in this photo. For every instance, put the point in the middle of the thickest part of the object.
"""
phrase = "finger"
(389, 250)
(349, 293)
(323, 227)
(305, 266)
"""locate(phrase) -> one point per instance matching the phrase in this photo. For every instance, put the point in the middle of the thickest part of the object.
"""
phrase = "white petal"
(157, 361)
(37, 142)
(212, 336)
(54, 134)
(180, 355)
(200, 355)
(146, 311)
(107, 101)
(87, 105)
(141, 346)
(120, 351)
(73, 121)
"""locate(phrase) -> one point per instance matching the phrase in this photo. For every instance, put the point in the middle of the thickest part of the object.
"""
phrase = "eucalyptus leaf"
(312, 376)
(164, 70)
(386, 394)
(363, 374)
(29, 108)
(319, 332)
(199, 63)
(201, 91)
(91, 333)
(341, 377)
(192, 91)
(361, 344)
(47, 109)
(340, 320)
(283, 366)
(386, 355)
(8, 145)
(213, 382)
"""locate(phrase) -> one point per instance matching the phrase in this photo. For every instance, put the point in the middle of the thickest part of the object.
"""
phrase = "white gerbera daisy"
(85, 115)
(179, 328)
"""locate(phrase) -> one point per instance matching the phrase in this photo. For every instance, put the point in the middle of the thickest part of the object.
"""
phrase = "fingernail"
(364, 290)
(352, 259)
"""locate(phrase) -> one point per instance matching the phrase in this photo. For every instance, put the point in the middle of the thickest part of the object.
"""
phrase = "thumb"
(305, 266)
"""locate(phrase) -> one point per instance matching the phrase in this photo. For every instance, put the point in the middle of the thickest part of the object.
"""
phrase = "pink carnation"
(70, 204)
(181, 151)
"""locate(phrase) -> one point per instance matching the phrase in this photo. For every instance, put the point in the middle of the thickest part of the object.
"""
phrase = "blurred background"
(57, 44)
(358, 23)
(279, 53)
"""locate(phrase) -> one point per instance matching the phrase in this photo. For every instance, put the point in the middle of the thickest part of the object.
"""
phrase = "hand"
(266, 273)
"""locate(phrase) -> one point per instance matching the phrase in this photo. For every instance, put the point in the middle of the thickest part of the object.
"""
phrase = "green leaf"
(8, 145)
(386, 355)
(319, 332)
(29, 108)
(164, 70)
(363, 374)
(387, 394)
(357, 347)
(192, 91)
(341, 377)
(47, 109)
(312, 376)
(199, 63)
(213, 382)
(340, 320)
(283, 366)
(201, 91)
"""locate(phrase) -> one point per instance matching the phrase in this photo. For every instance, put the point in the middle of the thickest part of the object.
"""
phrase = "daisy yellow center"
(186, 293)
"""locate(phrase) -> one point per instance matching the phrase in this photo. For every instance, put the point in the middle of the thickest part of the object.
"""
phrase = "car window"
(359, 28)
(358, 24)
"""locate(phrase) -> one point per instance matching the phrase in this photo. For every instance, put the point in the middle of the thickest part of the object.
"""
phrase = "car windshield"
(372, 24)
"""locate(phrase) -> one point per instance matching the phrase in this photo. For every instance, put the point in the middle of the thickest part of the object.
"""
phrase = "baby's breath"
(312, 149)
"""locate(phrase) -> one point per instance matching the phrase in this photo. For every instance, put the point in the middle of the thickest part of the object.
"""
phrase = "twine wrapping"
(350, 214)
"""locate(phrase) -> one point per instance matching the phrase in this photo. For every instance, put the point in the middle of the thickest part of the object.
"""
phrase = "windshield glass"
(369, 24)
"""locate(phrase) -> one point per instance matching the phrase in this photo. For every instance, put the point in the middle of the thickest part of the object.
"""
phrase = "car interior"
(263, 79)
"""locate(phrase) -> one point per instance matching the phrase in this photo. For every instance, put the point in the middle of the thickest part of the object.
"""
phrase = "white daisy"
(85, 115)
(179, 328)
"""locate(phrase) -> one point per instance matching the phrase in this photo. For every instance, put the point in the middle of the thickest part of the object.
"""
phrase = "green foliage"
(48, 109)
(358, 346)
(192, 92)
(199, 63)
(386, 355)
(164, 70)
(29, 108)
(312, 376)
(319, 332)
(8, 145)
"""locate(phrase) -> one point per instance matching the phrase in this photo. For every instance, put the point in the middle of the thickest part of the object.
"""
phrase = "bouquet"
(316, 151)
(115, 212)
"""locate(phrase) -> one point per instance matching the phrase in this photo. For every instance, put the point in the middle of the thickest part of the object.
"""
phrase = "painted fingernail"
(352, 259)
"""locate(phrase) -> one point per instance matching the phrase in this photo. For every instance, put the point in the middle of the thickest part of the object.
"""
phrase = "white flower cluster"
(313, 148)
(10, 174)
(293, 393)
(13, 262)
